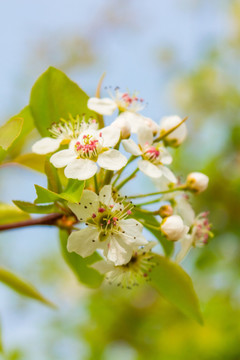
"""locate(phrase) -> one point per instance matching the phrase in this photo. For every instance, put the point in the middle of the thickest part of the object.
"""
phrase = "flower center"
(88, 147)
(152, 154)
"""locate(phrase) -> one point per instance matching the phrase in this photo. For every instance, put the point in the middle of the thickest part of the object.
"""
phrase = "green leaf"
(10, 214)
(176, 286)
(54, 183)
(72, 193)
(35, 209)
(22, 287)
(55, 96)
(32, 161)
(79, 265)
(168, 246)
(10, 131)
(1, 343)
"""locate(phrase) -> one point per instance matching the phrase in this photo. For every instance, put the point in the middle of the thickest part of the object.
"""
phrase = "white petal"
(149, 169)
(62, 158)
(124, 126)
(132, 232)
(46, 145)
(166, 158)
(103, 266)
(134, 120)
(168, 174)
(84, 242)
(185, 210)
(110, 136)
(118, 252)
(105, 195)
(88, 205)
(112, 160)
(169, 122)
(186, 245)
(145, 136)
(103, 106)
(81, 169)
(131, 147)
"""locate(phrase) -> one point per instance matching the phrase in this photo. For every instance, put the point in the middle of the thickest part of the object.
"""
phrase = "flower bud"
(176, 137)
(197, 181)
(123, 125)
(165, 210)
(173, 228)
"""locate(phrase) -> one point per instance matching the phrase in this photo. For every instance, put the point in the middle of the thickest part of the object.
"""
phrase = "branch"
(45, 220)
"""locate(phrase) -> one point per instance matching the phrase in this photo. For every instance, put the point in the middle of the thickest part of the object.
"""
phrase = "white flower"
(128, 105)
(131, 274)
(198, 236)
(107, 227)
(176, 137)
(62, 133)
(154, 155)
(197, 181)
(124, 127)
(91, 146)
(173, 228)
(181, 206)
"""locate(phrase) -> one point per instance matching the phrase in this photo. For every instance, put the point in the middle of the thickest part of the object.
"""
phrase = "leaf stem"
(96, 183)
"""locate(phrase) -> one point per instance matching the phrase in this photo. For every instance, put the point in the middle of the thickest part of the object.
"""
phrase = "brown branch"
(45, 220)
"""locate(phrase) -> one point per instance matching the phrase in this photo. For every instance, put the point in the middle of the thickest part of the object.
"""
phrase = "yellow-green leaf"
(22, 287)
(176, 286)
(32, 161)
(55, 96)
(10, 214)
(36, 209)
(10, 131)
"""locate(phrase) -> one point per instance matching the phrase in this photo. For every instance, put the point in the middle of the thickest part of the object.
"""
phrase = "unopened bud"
(197, 181)
(173, 228)
(176, 137)
(165, 210)
(123, 125)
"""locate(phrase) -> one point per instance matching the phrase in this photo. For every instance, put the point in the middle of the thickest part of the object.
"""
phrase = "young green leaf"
(55, 96)
(54, 183)
(10, 214)
(151, 220)
(22, 287)
(176, 286)
(79, 265)
(36, 209)
(72, 193)
(32, 161)
(10, 131)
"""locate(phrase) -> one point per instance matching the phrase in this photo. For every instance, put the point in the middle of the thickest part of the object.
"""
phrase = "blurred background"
(183, 58)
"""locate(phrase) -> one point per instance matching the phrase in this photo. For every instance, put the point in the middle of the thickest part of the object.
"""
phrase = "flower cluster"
(109, 222)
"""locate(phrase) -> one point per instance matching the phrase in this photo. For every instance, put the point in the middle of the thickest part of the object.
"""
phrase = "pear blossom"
(176, 137)
(91, 146)
(173, 228)
(131, 274)
(198, 236)
(154, 155)
(180, 204)
(197, 181)
(63, 133)
(108, 227)
(129, 107)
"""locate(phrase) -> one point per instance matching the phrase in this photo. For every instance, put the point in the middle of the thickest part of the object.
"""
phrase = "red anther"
(115, 218)
(94, 215)
(100, 134)
(101, 210)
(129, 212)
(109, 222)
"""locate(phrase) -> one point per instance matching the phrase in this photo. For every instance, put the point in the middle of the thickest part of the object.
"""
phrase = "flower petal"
(83, 242)
(105, 106)
(46, 145)
(166, 157)
(149, 169)
(132, 232)
(145, 136)
(118, 251)
(87, 207)
(81, 169)
(168, 174)
(186, 244)
(105, 195)
(112, 160)
(134, 120)
(62, 158)
(110, 136)
(103, 266)
(131, 147)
